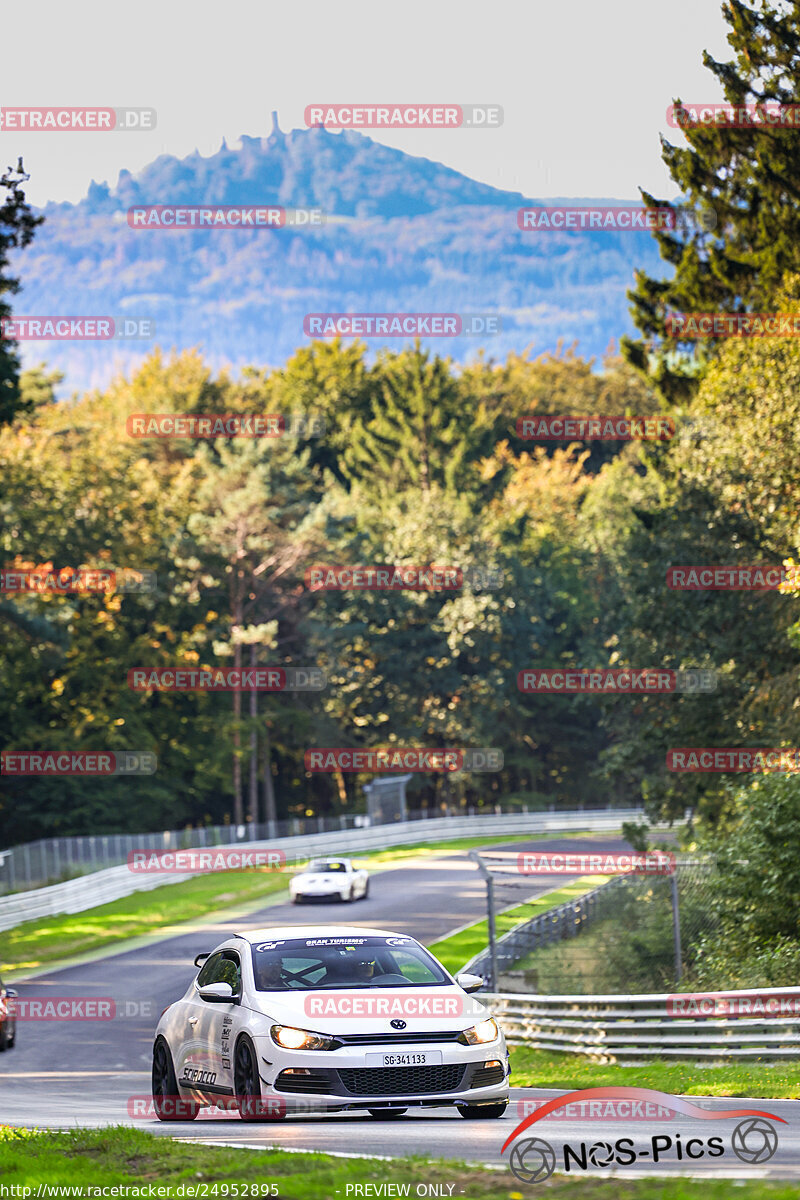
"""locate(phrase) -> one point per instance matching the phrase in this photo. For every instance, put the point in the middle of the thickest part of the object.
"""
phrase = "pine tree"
(17, 224)
(418, 433)
(743, 185)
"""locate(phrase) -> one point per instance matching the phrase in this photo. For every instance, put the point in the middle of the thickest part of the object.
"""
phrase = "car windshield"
(325, 963)
(324, 865)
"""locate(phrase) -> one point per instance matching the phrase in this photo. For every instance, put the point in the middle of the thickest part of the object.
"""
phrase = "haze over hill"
(402, 234)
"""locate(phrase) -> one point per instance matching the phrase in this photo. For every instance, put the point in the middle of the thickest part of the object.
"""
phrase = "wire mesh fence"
(635, 933)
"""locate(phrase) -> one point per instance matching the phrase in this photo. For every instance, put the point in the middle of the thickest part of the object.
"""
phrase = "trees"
(250, 529)
(724, 492)
(756, 890)
(228, 527)
(416, 435)
(743, 185)
(17, 225)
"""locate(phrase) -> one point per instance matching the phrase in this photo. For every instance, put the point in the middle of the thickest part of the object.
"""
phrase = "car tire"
(352, 895)
(169, 1105)
(366, 890)
(4, 1042)
(483, 1111)
(247, 1084)
(386, 1114)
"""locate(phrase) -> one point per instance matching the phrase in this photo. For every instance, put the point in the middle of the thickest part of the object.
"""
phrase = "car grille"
(486, 1076)
(314, 1082)
(379, 1039)
(402, 1081)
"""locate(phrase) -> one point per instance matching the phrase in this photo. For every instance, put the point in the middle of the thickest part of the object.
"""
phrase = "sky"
(584, 85)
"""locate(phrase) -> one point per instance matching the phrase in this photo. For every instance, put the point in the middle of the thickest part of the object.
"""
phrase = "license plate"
(406, 1058)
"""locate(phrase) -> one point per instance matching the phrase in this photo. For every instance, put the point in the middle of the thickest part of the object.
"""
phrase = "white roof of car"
(274, 932)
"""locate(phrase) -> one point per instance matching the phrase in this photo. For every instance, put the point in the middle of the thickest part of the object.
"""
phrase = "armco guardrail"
(616, 1028)
(77, 895)
(51, 860)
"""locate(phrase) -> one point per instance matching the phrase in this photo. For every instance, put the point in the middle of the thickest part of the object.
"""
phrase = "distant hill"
(403, 234)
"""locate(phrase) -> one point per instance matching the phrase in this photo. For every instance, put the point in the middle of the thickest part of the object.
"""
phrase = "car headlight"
(301, 1039)
(486, 1031)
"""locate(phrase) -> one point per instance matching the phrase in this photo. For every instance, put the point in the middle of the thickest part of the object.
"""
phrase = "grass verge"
(50, 939)
(540, 1069)
(422, 849)
(94, 1158)
(39, 943)
(459, 948)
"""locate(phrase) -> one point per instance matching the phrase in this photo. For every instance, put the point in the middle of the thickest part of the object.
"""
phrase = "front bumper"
(336, 1080)
(319, 894)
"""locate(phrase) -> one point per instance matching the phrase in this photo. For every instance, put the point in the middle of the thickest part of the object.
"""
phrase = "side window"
(222, 968)
(207, 970)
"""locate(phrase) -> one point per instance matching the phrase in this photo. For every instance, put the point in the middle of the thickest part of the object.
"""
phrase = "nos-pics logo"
(532, 1160)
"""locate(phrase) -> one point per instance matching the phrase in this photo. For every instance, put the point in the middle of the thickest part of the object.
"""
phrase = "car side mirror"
(469, 983)
(218, 993)
(12, 993)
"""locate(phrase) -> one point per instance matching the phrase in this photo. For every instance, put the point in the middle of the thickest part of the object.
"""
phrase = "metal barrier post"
(486, 875)
(676, 929)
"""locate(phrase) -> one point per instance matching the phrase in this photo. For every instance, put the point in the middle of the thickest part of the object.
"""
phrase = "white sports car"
(323, 1019)
(325, 878)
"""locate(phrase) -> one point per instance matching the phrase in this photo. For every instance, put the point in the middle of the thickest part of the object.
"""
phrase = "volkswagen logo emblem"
(533, 1160)
(754, 1140)
(397, 1024)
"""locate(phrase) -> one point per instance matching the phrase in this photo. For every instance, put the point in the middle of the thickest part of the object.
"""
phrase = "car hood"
(369, 1010)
